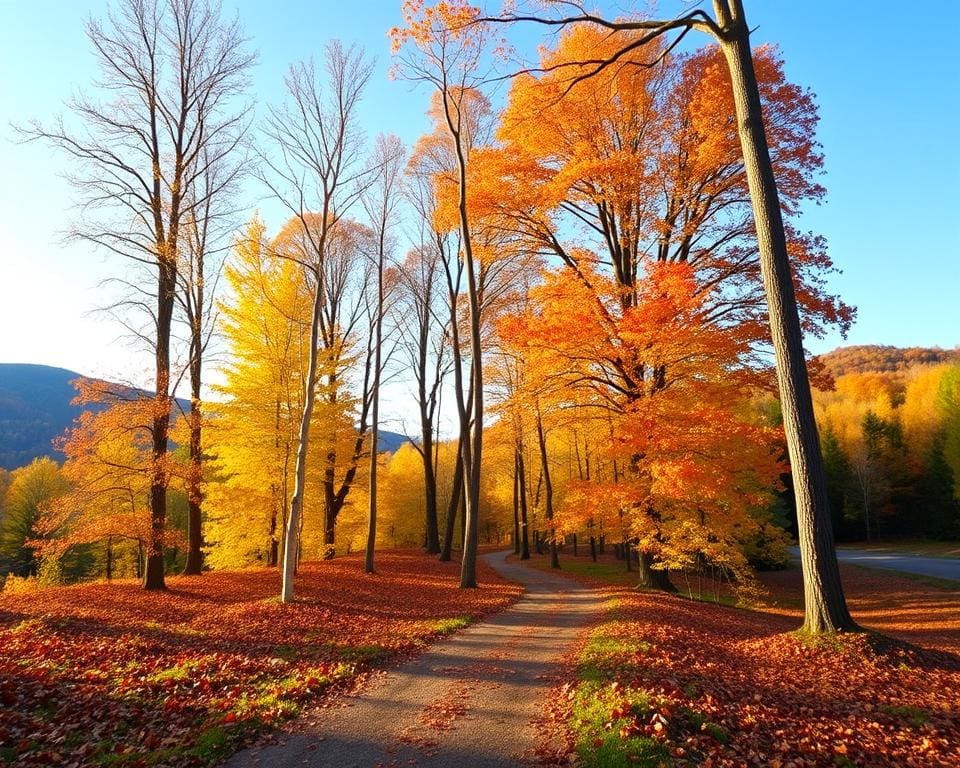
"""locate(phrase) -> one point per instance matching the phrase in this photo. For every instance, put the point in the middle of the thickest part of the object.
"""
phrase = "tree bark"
(825, 606)
(548, 491)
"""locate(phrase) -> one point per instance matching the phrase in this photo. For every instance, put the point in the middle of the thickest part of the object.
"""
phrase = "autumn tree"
(252, 438)
(110, 469)
(170, 72)
(825, 605)
(205, 233)
(29, 490)
(315, 172)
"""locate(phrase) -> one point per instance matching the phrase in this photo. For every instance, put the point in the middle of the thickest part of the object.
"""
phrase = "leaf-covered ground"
(663, 680)
(107, 674)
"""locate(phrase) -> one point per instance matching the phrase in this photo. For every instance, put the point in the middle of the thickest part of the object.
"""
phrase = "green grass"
(606, 718)
(446, 626)
(916, 717)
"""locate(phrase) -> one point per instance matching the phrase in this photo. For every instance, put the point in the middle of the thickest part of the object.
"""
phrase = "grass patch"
(607, 719)
(446, 626)
(913, 715)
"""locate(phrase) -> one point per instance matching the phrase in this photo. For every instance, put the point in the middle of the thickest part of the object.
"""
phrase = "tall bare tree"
(451, 59)
(315, 170)
(206, 232)
(170, 75)
(381, 204)
(825, 605)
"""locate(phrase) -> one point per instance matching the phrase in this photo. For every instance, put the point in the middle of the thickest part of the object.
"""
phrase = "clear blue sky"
(885, 74)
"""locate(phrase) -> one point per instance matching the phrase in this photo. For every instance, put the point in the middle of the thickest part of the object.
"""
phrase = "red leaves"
(733, 688)
(104, 665)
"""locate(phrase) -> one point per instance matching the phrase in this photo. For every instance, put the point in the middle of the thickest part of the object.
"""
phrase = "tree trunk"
(548, 491)
(653, 578)
(291, 550)
(593, 548)
(825, 605)
(194, 563)
(524, 524)
(516, 506)
(451, 520)
(375, 415)
(167, 285)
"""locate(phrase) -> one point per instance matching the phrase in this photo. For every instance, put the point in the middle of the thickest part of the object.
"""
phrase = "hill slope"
(35, 408)
(875, 358)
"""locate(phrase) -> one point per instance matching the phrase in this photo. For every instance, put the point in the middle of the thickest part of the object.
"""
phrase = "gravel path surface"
(469, 701)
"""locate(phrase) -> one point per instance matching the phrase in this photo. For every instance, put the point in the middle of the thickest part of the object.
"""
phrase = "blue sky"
(885, 75)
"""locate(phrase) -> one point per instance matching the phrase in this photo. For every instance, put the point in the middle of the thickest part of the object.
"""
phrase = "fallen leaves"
(718, 686)
(108, 672)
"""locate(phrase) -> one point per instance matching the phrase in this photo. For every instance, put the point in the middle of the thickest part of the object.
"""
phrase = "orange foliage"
(109, 468)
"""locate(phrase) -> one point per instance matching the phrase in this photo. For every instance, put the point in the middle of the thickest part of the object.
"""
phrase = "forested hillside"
(881, 358)
(890, 432)
(35, 407)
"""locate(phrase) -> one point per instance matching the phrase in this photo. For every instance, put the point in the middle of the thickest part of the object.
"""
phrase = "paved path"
(938, 567)
(468, 702)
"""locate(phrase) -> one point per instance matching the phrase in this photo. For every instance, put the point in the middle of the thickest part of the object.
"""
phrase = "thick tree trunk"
(825, 605)
(593, 548)
(650, 577)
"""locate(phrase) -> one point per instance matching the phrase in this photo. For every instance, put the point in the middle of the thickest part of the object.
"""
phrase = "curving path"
(921, 565)
(467, 701)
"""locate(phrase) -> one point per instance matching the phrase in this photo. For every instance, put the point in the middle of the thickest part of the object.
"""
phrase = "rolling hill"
(875, 358)
(35, 408)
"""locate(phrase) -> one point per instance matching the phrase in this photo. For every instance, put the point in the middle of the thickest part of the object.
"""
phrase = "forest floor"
(109, 675)
(580, 671)
(667, 680)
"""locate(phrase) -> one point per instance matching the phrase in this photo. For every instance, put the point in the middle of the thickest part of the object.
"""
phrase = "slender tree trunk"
(153, 572)
(473, 449)
(548, 491)
(456, 493)
(516, 506)
(194, 563)
(524, 525)
(593, 548)
(109, 558)
(291, 550)
(375, 416)
(825, 605)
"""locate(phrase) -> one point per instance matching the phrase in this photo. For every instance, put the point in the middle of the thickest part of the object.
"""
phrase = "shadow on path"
(468, 701)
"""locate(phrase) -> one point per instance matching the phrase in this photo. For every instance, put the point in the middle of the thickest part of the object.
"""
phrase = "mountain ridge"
(36, 407)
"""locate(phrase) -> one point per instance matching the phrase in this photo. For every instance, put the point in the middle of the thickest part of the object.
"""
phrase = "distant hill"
(35, 408)
(872, 358)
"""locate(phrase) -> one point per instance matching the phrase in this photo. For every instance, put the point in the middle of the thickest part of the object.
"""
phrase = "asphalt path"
(937, 567)
(470, 701)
